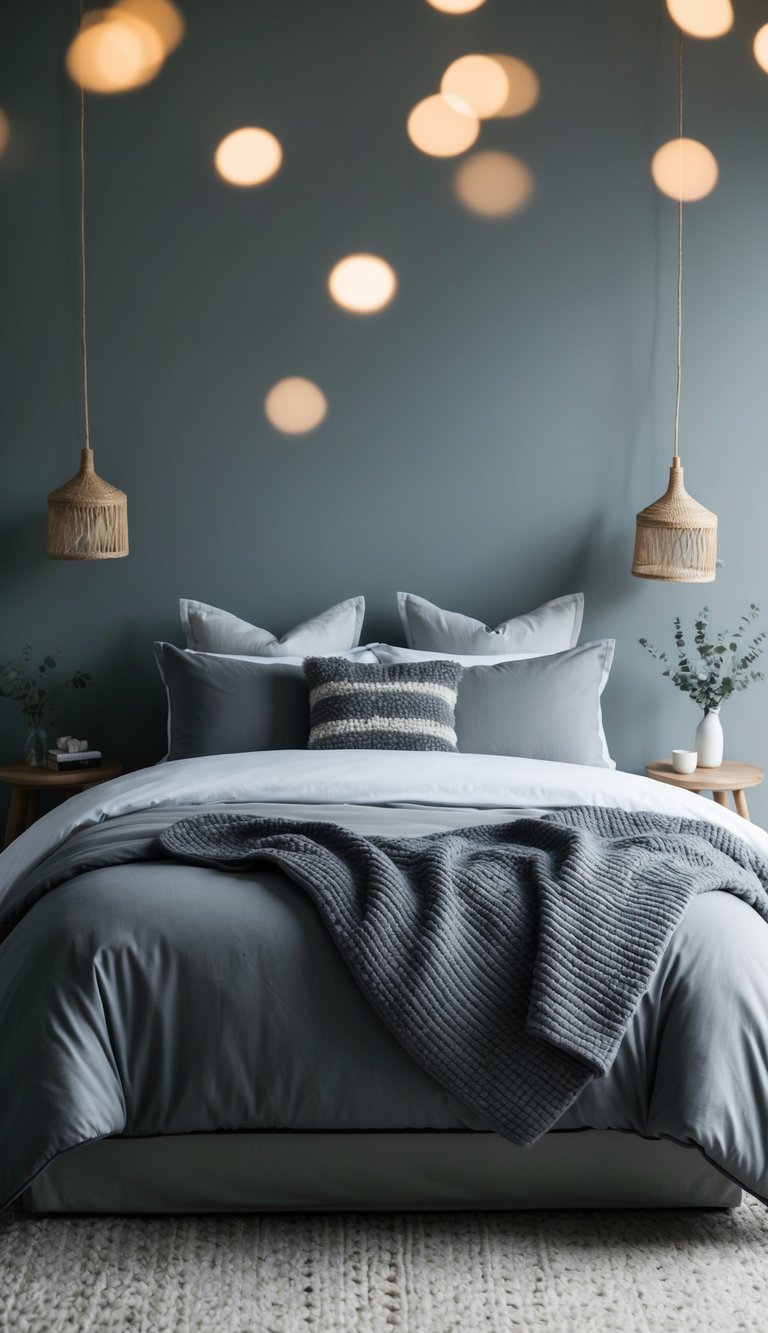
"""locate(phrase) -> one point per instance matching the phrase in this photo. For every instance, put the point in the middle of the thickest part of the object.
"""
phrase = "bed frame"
(278, 1172)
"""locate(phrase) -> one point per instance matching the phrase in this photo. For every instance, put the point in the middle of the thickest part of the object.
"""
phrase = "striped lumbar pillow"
(406, 706)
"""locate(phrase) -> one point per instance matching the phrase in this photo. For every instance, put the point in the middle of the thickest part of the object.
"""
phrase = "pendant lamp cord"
(679, 344)
(83, 331)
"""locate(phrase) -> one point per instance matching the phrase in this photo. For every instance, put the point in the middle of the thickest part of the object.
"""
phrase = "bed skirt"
(278, 1172)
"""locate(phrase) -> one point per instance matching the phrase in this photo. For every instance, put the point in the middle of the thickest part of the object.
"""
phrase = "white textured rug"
(379, 1273)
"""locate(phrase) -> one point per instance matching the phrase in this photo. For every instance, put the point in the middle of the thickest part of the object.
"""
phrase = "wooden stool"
(27, 783)
(729, 777)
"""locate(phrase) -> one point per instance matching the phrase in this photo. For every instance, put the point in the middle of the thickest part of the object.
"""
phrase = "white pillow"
(551, 628)
(363, 654)
(211, 630)
(388, 653)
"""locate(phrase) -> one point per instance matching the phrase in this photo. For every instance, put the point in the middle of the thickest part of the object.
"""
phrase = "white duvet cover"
(364, 777)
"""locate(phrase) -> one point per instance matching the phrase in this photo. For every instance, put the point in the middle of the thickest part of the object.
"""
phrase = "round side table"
(27, 783)
(729, 777)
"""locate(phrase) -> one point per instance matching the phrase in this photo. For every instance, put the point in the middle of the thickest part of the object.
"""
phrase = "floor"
(379, 1273)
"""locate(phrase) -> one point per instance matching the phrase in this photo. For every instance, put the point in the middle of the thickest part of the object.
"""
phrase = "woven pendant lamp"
(87, 518)
(676, 537)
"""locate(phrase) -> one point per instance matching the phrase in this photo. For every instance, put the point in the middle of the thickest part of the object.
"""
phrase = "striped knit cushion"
(407, 706)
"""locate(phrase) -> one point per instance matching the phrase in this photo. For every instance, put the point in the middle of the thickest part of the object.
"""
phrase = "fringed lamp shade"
(676, 538)
(87, 518)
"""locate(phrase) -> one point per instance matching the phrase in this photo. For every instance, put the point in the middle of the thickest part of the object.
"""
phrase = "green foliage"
(718, 665)
(30, 686)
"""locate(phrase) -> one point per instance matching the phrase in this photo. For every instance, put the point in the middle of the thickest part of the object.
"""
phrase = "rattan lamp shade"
(676, 537)
(87, 518)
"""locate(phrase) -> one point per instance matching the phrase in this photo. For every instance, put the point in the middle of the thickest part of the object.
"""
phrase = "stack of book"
(63, 762)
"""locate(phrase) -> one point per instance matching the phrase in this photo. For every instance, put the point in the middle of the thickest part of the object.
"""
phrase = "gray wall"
(490, 435)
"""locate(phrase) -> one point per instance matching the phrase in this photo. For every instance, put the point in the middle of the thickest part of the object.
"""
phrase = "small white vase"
(709, 739)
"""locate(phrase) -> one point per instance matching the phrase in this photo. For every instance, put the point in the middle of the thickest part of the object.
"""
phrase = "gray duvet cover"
(141, 997)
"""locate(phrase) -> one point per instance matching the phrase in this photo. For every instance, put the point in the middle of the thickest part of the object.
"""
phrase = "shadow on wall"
(20, 549)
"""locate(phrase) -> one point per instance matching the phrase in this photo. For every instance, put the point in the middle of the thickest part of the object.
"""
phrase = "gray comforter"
(146, 997)
(507, 959)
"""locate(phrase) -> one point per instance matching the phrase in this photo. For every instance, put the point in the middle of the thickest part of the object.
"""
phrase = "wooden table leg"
(721, 797)
(17, 815)
(740, 801)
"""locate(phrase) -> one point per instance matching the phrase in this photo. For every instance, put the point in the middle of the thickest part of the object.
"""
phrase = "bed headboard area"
(490, 432)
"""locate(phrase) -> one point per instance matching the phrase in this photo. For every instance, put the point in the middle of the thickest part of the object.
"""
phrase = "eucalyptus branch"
(719, 666)
(31, 686)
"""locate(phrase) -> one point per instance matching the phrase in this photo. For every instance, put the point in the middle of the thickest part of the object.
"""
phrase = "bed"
(178, 1038)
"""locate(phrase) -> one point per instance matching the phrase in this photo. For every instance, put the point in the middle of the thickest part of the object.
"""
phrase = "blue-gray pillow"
(408, 706)
(227, 705)
(538, 707)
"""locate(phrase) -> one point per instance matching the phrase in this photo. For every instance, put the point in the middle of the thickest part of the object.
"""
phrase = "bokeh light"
(760, 47)
(443, 126)
(295, 405)
(362, 283)
(5, 131)
(478, 81)
(248, 156)
(113, 52)
(702, 18)
(685, 169)
(455, 6)
(161, 15)
(523, 86)
(494, 184)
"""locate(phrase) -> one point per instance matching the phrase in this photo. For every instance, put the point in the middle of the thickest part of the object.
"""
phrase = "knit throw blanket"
(507, 959)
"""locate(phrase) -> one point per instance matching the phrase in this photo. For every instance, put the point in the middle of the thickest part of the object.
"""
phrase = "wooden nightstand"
(27, 783)
(730, 776)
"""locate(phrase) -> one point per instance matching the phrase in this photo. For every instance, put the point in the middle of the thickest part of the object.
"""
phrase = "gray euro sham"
(208, 629)
(539, 707)
(228, 705)
(535, 707)
(550, 628)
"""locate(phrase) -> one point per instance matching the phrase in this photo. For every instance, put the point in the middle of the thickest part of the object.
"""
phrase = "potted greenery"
(30, 687)
(716, 668)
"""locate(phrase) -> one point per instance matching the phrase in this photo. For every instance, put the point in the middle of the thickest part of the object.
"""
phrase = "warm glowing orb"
(295, 405)
(760, 47)
(523, 86)
(702, 18)
(5, 131)
(494, 184)
(478, 81)
(161, 15)
(685, 169)
(248, 156)
(362, 283)
(113, 52)
(455, 6)
(443, 126)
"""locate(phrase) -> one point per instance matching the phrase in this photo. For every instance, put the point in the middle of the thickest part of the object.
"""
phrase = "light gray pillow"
(538, 707)
(211, 630)
(228, 705)
(549, 629)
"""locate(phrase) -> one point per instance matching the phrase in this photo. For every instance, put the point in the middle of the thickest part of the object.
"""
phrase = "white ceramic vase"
(709, 739)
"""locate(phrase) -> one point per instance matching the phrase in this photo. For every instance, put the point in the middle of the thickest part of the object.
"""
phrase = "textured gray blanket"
(507, 959)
